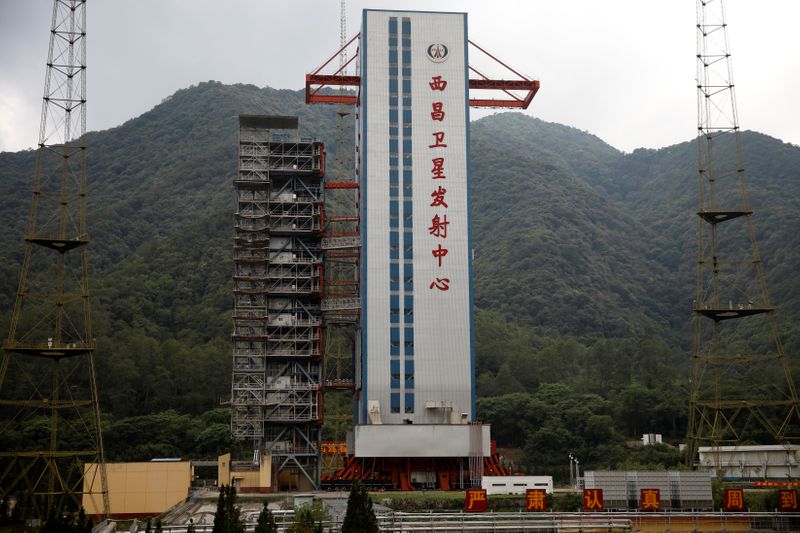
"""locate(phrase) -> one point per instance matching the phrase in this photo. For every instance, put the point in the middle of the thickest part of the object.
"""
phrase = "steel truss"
(47, 372)
(736, 339)
(317, 80)
(276, 391)
(341, 247)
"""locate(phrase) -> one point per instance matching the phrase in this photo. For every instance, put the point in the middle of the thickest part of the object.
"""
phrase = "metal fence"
(609, 522)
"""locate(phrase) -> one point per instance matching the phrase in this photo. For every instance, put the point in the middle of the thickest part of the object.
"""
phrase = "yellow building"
(139, 489)
(245, 478)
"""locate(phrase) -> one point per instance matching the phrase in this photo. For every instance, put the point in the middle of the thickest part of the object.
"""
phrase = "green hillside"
(584, 274)
(552, 251)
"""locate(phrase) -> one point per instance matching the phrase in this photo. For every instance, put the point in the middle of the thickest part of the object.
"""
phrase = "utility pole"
(571, 476)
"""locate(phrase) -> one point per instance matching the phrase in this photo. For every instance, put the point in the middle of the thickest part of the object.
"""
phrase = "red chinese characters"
(438, 227)
(437, 172)
(438, 140)
(439, 253)
(787, 501)
(333, 448)
(438, 197)
(592, 499)
(438, 84)
(476, 500)
(442, 284)
(437, 113)
(439, 222)
(536, 500)
(650, 499)
(733, 500)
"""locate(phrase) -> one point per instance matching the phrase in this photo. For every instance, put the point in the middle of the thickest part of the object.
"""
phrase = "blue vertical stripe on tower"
(395, 215)
(407, 257)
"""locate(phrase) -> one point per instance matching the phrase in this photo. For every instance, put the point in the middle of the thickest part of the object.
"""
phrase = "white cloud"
(19, 126)
(622, 69)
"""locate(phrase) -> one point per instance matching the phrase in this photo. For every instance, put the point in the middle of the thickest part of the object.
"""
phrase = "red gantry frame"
(316, 82)
(395, 472)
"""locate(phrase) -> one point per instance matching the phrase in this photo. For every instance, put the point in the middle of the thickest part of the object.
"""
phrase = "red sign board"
(592, 499)
(733, 500)
(535, 500)
(476, 501)
(787, 501)
(650, 499)
(329, 447)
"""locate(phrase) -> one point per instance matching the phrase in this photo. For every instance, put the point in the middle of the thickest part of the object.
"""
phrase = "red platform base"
(395, 473)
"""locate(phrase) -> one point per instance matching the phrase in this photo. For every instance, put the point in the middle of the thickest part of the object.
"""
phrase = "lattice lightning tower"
(741, 385)
(47, 375)
(341, 272)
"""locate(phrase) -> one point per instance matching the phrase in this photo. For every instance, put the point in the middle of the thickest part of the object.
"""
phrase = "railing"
(312, 351)
(546, 522)
(498, 522)
(280, 321)
(49, 346)
(338, 243)
(338, 304)
(298, 259)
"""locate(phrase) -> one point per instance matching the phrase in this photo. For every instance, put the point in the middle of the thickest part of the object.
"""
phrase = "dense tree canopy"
(584, 276)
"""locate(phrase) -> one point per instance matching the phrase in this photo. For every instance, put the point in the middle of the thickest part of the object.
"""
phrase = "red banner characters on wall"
(476, 501)
(593, 499)
(535, 500)
(787, 501)
(650, 499)
(733, 500)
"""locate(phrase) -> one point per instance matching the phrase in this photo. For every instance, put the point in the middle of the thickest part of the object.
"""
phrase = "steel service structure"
(414, 386)
(276, 393)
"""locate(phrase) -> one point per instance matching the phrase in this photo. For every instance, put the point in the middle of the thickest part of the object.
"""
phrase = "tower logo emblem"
(438, 52)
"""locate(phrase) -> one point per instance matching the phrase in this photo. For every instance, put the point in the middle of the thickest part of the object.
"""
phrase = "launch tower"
(276, 395)
(414, 387)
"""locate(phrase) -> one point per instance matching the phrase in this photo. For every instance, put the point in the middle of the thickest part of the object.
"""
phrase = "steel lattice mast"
(341, 251)
(736, 343)
(47, 374)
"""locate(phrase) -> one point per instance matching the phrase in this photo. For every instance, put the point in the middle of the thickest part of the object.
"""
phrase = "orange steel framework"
(389, 473)
(316, 81)
(394, 473)
(341, 255)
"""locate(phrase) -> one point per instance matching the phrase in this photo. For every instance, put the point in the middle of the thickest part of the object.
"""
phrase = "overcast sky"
(621, 69)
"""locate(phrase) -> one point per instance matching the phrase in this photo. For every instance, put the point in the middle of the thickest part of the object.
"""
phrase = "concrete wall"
(416, 440)
(414, 328)
(678, 489)
(516, 484)
(773, 462)
(250, 480)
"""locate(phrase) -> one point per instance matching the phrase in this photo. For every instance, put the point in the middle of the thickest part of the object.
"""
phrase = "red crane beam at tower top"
(316, 81)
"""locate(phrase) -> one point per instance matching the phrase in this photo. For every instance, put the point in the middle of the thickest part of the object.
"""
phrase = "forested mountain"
(584, 273)
(552, 250)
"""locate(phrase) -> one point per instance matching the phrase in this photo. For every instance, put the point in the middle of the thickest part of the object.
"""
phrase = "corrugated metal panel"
(621, 489)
